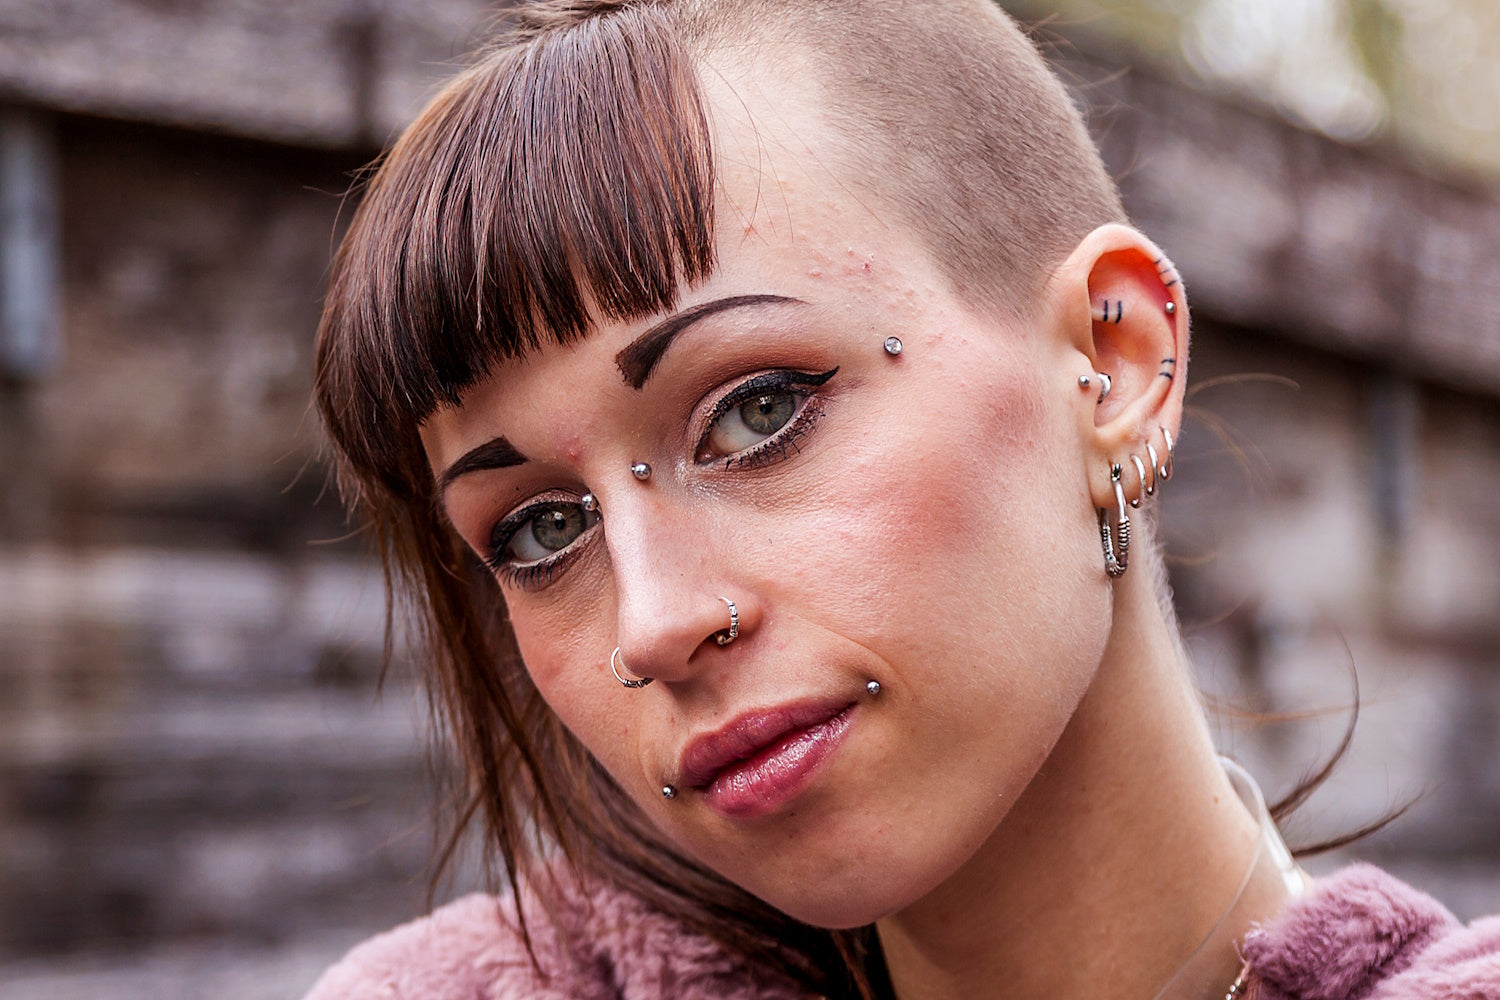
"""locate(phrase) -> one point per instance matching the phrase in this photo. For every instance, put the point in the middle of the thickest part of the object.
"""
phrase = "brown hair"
(566, 178)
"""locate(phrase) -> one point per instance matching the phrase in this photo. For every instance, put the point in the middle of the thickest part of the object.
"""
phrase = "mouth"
(763, 759)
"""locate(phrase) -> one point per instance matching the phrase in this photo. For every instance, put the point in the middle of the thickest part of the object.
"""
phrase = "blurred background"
(202, 793)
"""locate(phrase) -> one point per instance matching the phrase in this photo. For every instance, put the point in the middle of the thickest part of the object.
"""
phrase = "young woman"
(761, 405)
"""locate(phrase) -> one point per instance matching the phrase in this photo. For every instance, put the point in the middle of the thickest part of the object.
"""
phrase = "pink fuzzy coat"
(1358, 935)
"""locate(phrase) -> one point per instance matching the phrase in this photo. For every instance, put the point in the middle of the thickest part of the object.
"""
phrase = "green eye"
(769, 413)
(549, 528)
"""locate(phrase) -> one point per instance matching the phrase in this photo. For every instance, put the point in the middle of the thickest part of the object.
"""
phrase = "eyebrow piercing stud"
(641, 471)
(669, 791)
(872, 688)
(637, 683)
(725, 636)
(893, 346)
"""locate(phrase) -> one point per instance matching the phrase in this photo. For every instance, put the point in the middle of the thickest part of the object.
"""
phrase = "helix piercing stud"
(669, 791)
(589, 502)
(641, 471)
(639, 683)
(1170, 307)
(872, 687)
(725, 636)
(893, 346)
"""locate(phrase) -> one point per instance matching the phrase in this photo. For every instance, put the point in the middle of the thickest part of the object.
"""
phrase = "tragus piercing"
(1116, 539)
(893, 346)
(872, 687)
(725, 636)
(640, 683)
(641, 471)
(669, 791)
(589, 502)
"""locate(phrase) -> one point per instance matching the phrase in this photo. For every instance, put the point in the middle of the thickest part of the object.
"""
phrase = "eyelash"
(538, 574)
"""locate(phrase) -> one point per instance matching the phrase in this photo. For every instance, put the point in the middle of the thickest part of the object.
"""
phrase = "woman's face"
(920, 520)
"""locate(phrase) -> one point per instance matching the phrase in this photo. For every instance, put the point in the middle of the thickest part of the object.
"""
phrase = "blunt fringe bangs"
(556, 183)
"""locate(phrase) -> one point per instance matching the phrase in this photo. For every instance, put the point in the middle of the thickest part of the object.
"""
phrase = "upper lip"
(706, 755)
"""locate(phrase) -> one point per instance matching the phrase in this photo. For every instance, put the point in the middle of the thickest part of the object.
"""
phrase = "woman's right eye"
(538, 532)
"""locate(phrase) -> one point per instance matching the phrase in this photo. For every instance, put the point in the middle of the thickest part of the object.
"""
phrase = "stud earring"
(872, 688)
(638, 683)
(1171, 308)
(669, 791)
(893, 346)
(1116, 539)
(641, 471)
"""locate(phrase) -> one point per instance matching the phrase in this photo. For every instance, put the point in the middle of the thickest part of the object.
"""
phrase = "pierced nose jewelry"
(893, 346)
(641, 471)
(589, 502)
(638, 683)
(669, 791)
(872, 688)
(1116, 539)
(725, 636)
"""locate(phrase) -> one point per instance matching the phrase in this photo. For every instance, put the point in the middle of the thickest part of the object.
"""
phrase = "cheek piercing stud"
(893, 346)
(872, 688)
(589, 502)
(669, 791)
(725, 636)
(641, 471)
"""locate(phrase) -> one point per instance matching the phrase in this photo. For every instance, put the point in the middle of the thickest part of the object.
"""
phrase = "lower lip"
(776, 775)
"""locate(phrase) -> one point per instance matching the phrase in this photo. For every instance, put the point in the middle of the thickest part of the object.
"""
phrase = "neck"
(1115, 864)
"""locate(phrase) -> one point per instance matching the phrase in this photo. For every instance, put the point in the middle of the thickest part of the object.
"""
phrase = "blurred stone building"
(202, 794)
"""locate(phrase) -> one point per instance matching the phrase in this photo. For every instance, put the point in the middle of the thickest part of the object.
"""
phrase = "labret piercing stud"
(893, 346)
(641, 471)
(669, 791)
(872, 687)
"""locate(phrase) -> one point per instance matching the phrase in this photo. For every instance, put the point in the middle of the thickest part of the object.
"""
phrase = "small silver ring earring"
(640, 683)
(725, 636)
(1140, 470)
(1105, 384)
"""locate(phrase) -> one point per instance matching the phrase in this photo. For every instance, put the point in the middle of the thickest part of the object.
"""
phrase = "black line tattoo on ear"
(1167, 373)
(1164, 269)
(1119, 311)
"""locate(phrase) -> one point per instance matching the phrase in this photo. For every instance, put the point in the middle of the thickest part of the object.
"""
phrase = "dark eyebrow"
(640, 356)
(496, 453)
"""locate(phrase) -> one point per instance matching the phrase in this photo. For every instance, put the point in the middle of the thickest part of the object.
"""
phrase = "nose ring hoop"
(640, 683)
(725, 636)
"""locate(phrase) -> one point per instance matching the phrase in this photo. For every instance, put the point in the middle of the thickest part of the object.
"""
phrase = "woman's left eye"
(757, 411)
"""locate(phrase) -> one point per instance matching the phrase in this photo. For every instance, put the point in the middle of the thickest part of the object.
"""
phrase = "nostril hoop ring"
(640, 683)
(725, 636)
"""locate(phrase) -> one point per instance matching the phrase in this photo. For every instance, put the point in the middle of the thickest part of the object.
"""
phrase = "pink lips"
(763, 759)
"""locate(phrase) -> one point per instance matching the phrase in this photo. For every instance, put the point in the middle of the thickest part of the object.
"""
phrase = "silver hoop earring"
(1140, 470)
(1165, 469)
(1155, 462)
(1116, 539)
(725, 636)
(1105, 384)
(642, 682)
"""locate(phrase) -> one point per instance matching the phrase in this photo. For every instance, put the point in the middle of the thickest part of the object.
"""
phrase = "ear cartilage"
(1170, 307)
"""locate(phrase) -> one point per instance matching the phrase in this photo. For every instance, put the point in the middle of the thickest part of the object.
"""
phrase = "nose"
(677, 607)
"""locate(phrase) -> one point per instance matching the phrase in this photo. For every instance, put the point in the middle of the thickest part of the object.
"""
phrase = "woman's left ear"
(1120, 310)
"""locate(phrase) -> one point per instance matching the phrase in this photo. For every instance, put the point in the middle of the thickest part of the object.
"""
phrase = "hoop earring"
(1116, 540)
(642, 682)
(725, 636)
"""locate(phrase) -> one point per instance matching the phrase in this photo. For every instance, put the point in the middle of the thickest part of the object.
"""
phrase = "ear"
(1120, 309)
